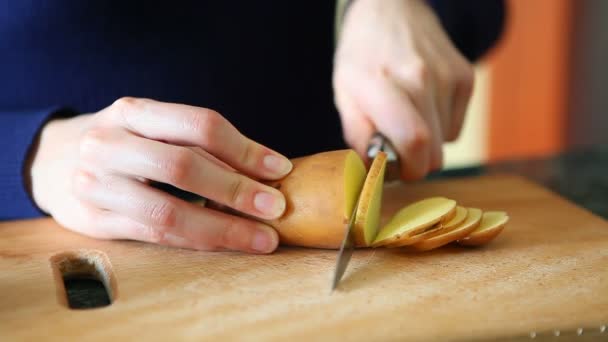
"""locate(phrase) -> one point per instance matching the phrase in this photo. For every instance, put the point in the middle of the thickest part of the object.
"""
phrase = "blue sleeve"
(18, 134)
(474, 26)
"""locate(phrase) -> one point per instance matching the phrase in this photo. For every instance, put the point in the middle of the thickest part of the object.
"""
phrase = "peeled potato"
(473, 218)
(320, 191)
(492, 223)
(414, 219)
(367, 218)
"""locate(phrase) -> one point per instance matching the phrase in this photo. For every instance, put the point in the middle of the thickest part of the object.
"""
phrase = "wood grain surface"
(547, 270)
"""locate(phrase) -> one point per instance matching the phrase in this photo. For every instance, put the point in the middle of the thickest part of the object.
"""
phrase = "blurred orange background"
(542, 89)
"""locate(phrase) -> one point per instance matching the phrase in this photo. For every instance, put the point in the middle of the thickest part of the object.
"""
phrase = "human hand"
(397, 72)
(92, 173)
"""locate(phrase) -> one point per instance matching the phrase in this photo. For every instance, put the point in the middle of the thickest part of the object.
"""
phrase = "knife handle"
(379, 142)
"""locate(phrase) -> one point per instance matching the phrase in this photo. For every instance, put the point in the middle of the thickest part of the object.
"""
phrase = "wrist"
(32, 162)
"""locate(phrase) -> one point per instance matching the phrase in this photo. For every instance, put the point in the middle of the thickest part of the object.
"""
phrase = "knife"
(377, 143)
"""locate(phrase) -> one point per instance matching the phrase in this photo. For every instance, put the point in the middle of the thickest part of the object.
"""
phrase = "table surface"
(546, 271)
(579, 175)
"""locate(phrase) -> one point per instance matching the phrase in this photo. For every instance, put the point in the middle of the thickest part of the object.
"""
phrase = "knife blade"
(377, 143)
(346, 249)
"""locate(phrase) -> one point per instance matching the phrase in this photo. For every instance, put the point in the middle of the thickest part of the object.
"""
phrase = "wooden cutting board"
(547, 270)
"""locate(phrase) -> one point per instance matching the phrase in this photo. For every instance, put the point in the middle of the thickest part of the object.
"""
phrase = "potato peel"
(367, 217)
(444, 226)
(492, 223)
(471, 222)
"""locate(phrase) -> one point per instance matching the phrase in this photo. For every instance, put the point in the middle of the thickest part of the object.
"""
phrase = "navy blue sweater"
(265, 65)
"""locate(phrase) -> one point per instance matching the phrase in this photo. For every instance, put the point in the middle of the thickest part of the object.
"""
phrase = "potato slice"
(414, 219)
(456, 220)
(367, 218)
(492, 223)
(473, 218)
(460, 214)
(321, 191)
(416, 238)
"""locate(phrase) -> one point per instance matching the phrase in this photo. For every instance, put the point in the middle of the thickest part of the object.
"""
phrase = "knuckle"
(119, 109)
(82, 183)
(419, 138)
(124, 103)
(466, 79)
(421, 76)
(149, 234)
(136, 230)
(462, 74)
(232, 235)
(247, 154)
(206, 124)
(446, 79)
(419, 73)
(415, 75)
(177, 167)
(163, 215)
(194, 120)
(92, 141)
(236, 192)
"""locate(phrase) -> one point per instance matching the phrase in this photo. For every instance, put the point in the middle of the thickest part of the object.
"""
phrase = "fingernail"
(278, 165)
(269, 204)
(262, 242)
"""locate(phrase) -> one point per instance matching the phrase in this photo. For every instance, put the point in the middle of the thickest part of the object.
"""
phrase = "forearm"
(474, 26)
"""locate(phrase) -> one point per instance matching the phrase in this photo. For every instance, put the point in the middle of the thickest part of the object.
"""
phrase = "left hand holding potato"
(397, 72)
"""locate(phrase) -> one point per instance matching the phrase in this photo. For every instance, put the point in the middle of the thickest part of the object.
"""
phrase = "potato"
(472, 220)
(492, 223)
(320, 192)
(414, 219)
(367, 218)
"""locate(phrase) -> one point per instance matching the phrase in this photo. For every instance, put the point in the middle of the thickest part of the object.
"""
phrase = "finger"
(394, 115)
(154, 216)
(463, 90)
(113, 226)
(430, 108)
(418, 82)
(357, 128)
(194, 126)
(211, 158)
(442, 88)
(124, 153)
